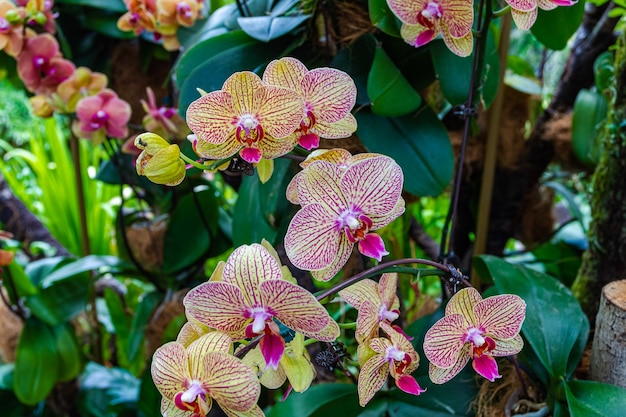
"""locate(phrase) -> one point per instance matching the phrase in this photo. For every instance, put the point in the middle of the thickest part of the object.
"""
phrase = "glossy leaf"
(266, 28)
(62, 301)
(419, 144)
(84, 264)
(553, 28)
(390, 93)
(189, 233)
(141, 318)
(19, 280)
(37, 364)
(594, 399)
(249, 222)
(590, 111)
(68, 352)
(274, 204)
(106, 391)
(383, 18)
(416, 64)
(321, 400)
(558, 343)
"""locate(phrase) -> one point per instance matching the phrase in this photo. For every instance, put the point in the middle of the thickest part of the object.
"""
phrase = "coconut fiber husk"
(10, 328)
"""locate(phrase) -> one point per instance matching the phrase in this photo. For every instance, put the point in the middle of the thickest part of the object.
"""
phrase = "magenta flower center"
(4, 25)
(99, 119)
(475, 336)
(395, 354)
(384, 314)
(39, 62)
(249, 130)
(354, 223)
(193, 399)
(430, 14)
(480, 342)
(183, 9)
(259, 316)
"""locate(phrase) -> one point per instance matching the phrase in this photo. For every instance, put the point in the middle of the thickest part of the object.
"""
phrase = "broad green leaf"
(188, 236)
(107, 392)
(19, 280)
(110, 5)
(62, 301)
(266, 28)
(383, 18)
(416, 64)
(590, 111)
(120, 321)
(321, 400)
(68, 352)
(356, 60)
(436, 401)
(553, 28)
(141, 318)
(274, 204)
(249, 223)
(105, 23)
(84, 264)
(40, 269)
(390, 93)
(603, 70)
(558, 343)
(419, 143)
(594, 399)
(560, 260)
(36, 362)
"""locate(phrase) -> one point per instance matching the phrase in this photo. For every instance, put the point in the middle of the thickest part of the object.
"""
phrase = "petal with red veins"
(387, 287)
(170, 369)
(523, 5)
(319, 183)
(224, 150)
(460, 46)
(280, 111)
(547, 4)
(212, 117)
(255, 411)
(285, 72)
(329, 93)
(444, 340)
(344, 250)
(416, 34)
(442, 375)
(357, 293)
(524, 20)
(372, 377)
(407, 11)
(508, 347)
(458, 17)
(243, 87)
(367, 321)
(272, 148)
(463, 303)
(340, 129)
(501, 316)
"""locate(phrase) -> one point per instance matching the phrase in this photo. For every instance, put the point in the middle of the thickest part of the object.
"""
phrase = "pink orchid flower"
(164, 121)
(41, 66)
(475, 329)
(342, 203)
(245, 116)
(178, 12)
(251, 294)
(393, 356)
(82, 83)
(11, 29)
(329, 94)
(376, 302)
(189, 379)
(524, 12)
(102, 114)
(423, 20)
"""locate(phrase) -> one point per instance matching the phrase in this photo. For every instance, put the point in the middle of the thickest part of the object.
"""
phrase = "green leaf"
(40, 269)
(356, 60)
(390, 93)
(274, 204)
(321, 400)
(558, 343)
(149, 401)
(36, 363)
(110, 5)
(590, 111)
(604, 70)
(7, 373)
(383, 18)
(266, 28)
(105, 23)
(19, 280)
(187, 238)
(141, 318)
(416, 64)
(84, 264)
(62, 301)
(553, 28)
(419, 144)
(594, 399)
(249, 223)
(107, 391)
(121, 323)
(68, 352)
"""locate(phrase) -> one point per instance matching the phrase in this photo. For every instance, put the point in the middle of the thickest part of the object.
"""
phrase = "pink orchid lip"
(486, 366)
(272, 347)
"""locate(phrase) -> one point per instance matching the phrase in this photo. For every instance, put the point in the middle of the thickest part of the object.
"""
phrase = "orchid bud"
(159, 161)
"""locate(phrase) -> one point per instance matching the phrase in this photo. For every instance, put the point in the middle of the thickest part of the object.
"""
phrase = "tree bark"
(605, 260)
(608, 356)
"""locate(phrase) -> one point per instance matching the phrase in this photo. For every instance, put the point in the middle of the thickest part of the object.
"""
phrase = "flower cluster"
(161, 17)
(524, 13)
(344, 198)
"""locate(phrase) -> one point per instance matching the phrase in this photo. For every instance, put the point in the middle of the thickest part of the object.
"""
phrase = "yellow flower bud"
(159, 161)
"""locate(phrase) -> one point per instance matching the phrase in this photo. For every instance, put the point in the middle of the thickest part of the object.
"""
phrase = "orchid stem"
(193, 163)
(351, 325)
(501, 12)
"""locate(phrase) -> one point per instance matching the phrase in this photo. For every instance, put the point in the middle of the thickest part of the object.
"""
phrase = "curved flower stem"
(441, 270)
(193, 163)
(351, 325)
(502, 11)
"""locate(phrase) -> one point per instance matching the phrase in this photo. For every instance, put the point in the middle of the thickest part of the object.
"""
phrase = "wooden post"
(608, 356)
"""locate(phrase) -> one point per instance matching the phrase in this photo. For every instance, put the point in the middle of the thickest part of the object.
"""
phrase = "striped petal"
(379, 222)
(190, 332)
(460, 46)
(387, 287)
(268, 377)
(444, 340)
(340, 129)
(344, 250)
(524, 20)
(211, 342)
(292, 193)
(329, 333)
(229, 381)
(337, 156)
(508, 347)
(170, 370)
(273, 148)
(407, 11)
(458, 16)
(281, 111)
(363, 290)
(400, 341)
(372, 377)
(374, 185)
(523, 5)
(312, 239)
(330, 93)
(319, 183)
(463, 303)
(224, 150)
(169, 409)
(547, 4)
(210, 117)
(219, 305)
(285, 72)
(294, 306)
(255, 411)
(367, 322)
(417, 35)
(442, 375)
(247, 267)
(501, 316)
(243, 87)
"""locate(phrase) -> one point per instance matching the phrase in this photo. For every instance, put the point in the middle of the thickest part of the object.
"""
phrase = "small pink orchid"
(245, 117)
(393, 356)
(342, 203)
(11, 29)
(250, 295)
(476, 329)
(41, 66)
(524, 12)
(189, 379)
(423, 20)
(164, 121)
(329, 95)
(100, 115)
(376, 302)
(82, 83)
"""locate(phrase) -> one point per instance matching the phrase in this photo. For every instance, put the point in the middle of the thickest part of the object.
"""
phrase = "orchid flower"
(245, 117)
(375, 301)
(475, 329)
(164, 121)
(82, 83)
(41, 66)
(250, 295)
(329, 94)
(393, 356)
(11, 29)
(100, 115)
(524, 12)
(342, 203)
(189, 379)
(423, 20)
(159, 160)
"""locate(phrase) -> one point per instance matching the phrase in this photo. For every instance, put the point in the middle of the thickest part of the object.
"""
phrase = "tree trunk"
(605, 260)
(608, 357)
